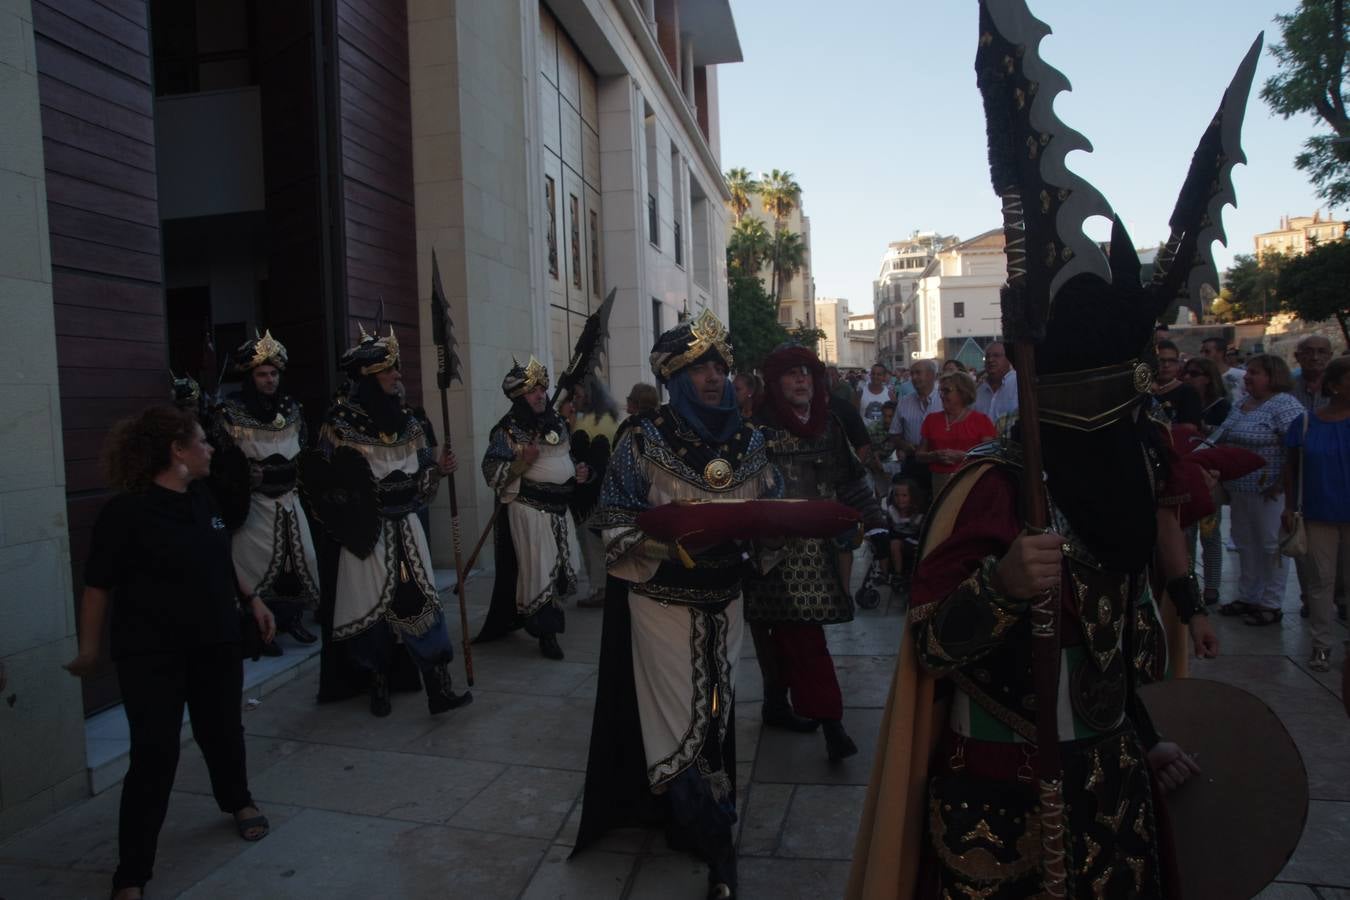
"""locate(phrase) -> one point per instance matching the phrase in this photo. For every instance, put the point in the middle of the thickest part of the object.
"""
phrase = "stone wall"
(42, 759)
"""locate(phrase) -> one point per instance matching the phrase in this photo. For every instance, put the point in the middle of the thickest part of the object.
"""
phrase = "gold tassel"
(403, 575)
(684, 556)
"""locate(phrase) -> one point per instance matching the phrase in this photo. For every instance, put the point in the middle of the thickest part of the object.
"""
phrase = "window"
(595, 254)
(679, 245)
(551, 204)
(653, 224)
(677, 203)
(653, 177)
(959, 310)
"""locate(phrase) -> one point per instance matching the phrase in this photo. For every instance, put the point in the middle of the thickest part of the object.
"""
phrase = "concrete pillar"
(42, 756)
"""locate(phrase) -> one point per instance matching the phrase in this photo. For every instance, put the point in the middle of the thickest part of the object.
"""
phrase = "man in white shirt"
(1216, 351)
(910, 413)
(996, 396)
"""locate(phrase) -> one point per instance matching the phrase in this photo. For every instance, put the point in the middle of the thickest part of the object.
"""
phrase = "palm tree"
(749, 245)
(788, 255)
(741, 186)
(780, 193)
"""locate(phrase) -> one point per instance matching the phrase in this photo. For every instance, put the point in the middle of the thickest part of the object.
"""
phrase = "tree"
(788, 255)
(741, 186)
(753, 319)
(1313, 286)
(780, 193)
(807, 336)
(749, 246)
(1250, 286)
(1311, 79)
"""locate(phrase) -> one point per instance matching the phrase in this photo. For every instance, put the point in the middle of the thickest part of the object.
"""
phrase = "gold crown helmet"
(264, 350)
(371, 354)
(686, 344)
(520, 381)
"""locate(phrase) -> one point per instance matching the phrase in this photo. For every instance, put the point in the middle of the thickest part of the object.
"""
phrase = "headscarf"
(715, 424)
(784, 358)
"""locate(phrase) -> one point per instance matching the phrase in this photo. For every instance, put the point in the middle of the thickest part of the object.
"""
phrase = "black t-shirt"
(1181, 405)
(854, 428)
(165, 558)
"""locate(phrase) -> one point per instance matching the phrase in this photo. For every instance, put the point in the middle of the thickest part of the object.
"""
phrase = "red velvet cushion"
(698, 526)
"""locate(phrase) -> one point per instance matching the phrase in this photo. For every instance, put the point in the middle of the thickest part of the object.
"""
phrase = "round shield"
(1252, 787)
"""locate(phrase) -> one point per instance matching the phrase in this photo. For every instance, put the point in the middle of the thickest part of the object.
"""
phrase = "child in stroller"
(894, 555)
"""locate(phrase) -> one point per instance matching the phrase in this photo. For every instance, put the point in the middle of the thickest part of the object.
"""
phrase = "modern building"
(178, 170)
(850, 340)
(957, 299)
(897, 317)
(1299, 234)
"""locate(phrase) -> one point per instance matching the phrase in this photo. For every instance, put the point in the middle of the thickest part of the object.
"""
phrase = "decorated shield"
(1252, 784)
(341, 494)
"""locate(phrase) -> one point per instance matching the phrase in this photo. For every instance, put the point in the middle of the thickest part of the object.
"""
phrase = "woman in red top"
(947, 435)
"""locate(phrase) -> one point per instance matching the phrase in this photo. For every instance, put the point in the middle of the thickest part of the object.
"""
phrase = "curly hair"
(139, 447)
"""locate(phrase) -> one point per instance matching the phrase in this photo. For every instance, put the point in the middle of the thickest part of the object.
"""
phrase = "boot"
(548, 646)
(837, 742)
(440, 691)
(379, 696)
(777, 713)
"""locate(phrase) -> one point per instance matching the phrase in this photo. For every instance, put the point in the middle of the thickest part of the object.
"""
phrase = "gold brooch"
(718, 474)
(279, 421)
(1143, 377)
(551, 438)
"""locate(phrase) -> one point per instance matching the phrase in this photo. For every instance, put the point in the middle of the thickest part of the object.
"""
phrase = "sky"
(872, 105)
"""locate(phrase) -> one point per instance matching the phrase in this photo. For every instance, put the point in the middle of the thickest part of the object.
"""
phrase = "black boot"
(440, 692)
(777, 713)
(379, 696)
(837, 742)
(302, 634)
(548, 645)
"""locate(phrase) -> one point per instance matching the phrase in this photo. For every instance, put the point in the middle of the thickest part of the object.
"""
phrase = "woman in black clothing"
(1203, 375)
(160, 557)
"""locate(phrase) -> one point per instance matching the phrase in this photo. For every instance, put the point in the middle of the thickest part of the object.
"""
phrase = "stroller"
(878, 553)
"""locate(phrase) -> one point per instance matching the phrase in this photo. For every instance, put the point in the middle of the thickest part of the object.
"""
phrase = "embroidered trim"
(286, 537)
(562, 571)
(703, 626)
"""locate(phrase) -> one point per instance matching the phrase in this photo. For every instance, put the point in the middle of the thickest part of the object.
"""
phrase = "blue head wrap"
(714, 424)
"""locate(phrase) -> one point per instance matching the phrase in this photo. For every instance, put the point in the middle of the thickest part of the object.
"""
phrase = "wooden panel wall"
(374, 130)
(94, 81)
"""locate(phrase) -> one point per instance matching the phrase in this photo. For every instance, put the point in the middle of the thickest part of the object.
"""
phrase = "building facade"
(893, 295)
(1299, 234)
(796, 295)
(850, 340)
(545, 152)
(957, 296)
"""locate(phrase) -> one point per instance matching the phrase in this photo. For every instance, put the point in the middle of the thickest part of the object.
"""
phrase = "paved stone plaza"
(483, 802)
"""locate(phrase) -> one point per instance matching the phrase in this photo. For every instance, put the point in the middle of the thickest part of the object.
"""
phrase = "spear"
(447, 370)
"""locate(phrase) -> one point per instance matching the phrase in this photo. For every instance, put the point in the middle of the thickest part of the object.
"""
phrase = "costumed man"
(529, 466)
(371, 474)
(808, 586)
(663, 736)
(1016, 758)
(258, 434)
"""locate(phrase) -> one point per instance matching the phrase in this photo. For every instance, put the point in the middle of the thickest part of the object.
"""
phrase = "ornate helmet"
(264, 350)
(185, 392)
(523, 379)
(690, 343)
(371, 354)
(1088, 314)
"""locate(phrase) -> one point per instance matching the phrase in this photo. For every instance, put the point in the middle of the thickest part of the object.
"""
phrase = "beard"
(385, 410)
(260, 405)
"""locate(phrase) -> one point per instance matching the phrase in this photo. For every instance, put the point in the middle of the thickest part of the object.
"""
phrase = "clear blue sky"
(872, 105)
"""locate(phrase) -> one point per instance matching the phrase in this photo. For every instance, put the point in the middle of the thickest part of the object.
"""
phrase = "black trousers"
(155, 687)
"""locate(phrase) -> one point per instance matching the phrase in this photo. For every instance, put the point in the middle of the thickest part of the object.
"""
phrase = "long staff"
(447, 370)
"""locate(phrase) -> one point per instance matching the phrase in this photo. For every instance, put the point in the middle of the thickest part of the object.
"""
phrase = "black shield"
(230, 477)
(341, 493)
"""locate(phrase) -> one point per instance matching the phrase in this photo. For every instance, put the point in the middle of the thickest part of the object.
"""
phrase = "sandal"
(1262, 617)
(254, 828)
(1236, 608)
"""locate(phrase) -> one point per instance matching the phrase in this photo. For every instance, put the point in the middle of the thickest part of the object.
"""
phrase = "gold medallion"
(717, 473)
(279, 421)
(551, 438)
(1143, 378)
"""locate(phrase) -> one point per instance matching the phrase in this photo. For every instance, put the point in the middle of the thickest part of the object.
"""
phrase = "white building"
(897, 317)
(797, 297)
(957, 297)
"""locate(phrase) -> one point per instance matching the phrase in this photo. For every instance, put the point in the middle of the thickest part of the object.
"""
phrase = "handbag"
(1294, 542)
